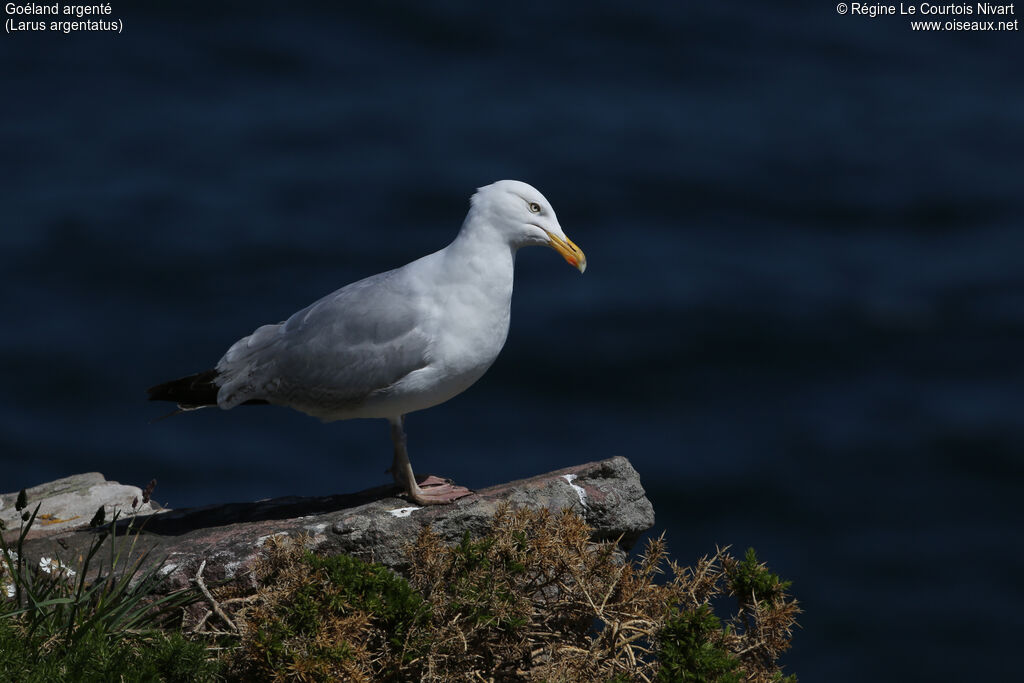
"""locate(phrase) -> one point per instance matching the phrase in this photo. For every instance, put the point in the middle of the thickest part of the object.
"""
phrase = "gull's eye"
(534, 207)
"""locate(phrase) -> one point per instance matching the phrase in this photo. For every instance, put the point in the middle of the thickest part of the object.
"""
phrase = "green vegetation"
(97, 622)
(693, 649)
(35, 658)
(532, 600)
(328, 618)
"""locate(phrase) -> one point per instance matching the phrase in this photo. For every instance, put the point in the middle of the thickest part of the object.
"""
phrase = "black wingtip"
(195, 390)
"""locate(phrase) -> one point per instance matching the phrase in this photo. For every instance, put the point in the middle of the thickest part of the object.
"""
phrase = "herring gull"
(395, 342)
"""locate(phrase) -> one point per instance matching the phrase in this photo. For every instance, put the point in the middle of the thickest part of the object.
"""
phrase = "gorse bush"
(693, 648)
(533, 600)
(328, 619)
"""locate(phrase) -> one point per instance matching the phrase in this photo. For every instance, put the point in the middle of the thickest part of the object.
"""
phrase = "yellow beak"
(569, 251)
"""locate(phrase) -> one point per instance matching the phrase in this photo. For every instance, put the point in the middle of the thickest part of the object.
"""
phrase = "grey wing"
(333, 354)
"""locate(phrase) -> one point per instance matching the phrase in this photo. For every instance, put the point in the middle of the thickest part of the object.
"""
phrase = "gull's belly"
(423, 388)
(420, 389)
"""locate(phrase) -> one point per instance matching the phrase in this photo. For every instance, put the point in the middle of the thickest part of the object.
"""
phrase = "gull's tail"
(191, 392)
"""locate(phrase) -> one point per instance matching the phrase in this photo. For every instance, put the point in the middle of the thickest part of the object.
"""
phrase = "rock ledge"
(372, 524)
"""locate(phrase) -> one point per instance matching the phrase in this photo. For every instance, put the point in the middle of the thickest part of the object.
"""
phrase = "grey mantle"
(372, 524)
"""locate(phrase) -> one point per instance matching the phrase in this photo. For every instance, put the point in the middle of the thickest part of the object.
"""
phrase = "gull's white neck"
(472, 291)
(481, 252)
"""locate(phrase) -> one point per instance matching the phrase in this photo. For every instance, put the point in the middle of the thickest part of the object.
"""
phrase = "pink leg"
(432, 490)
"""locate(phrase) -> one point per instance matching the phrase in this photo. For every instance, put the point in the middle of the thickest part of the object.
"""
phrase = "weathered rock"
(71, 502)
(372, 524)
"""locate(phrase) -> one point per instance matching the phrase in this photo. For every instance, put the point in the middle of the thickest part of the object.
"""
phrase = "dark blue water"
(802, 320)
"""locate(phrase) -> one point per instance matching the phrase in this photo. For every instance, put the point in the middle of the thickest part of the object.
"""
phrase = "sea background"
(802, 321)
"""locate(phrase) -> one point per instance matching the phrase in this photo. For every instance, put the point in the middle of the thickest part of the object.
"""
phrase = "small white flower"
(13, 554)
(9, 590)
(51, 566)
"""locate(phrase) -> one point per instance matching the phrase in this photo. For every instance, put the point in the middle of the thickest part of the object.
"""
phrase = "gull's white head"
(524, 217)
